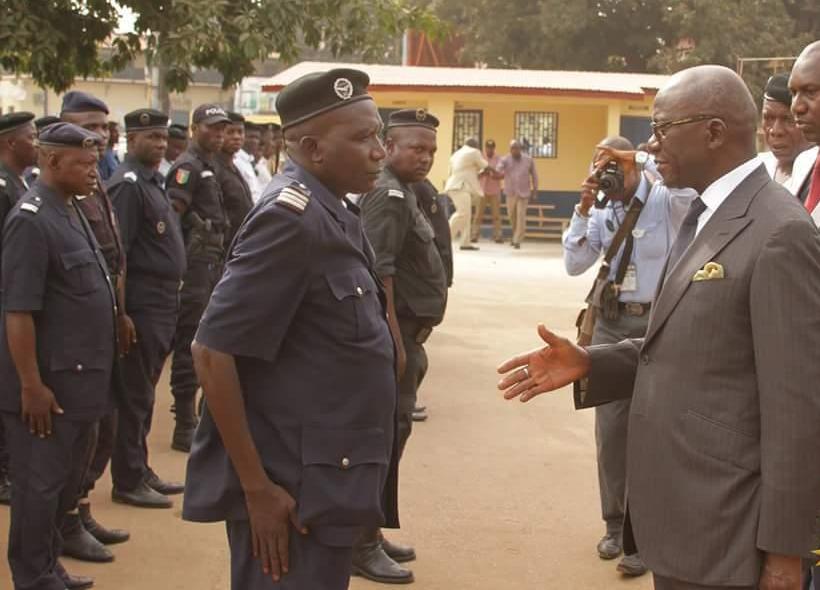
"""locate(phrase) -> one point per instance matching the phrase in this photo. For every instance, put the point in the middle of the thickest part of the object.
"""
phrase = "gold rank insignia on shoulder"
(293, 198)
(394, 192)
(130, 176)
(30, 207)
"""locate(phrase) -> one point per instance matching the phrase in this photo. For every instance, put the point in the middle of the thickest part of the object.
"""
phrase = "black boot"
(398, 553)
(80, 544)
(186, 422)
(99, 532)
(73, 582)
(371, 562)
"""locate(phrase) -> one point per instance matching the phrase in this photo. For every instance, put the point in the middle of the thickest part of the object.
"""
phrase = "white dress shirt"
(244, 163)
(717, 192)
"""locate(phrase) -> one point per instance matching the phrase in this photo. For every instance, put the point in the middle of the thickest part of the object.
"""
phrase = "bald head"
(804, 84)
(472, 142)
(618, 142)
(705, 126)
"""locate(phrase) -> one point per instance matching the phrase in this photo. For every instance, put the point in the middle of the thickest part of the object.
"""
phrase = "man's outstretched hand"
(546, 369)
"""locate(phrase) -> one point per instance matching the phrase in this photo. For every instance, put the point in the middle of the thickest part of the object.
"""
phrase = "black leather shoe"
(186, 422)
(80, 544)
(632, 566)
(73, 582)
(98, 531)
(5, 490)
(609, 547)
(371, 562)
(166, 488)
(468, 248)
(143, 497)
(398, 553)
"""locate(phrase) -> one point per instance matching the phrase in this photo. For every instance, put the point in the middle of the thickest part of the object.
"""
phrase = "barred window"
(538, 133)
(467, 124)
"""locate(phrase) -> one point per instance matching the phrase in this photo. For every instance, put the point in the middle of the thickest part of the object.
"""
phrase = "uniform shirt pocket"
(356, 293)
(80, 269)
(343, 473)
(651, 241)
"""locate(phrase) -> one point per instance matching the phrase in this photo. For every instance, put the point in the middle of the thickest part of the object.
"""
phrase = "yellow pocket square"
(711, 272)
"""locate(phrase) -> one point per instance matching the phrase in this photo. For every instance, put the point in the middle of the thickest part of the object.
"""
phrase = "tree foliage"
(57, 40)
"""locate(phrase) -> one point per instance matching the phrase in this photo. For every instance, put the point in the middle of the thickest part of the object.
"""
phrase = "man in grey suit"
(724, 386)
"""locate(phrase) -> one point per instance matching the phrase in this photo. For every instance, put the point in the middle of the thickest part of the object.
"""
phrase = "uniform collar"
(150, 174)
(49, 195)
(200, 154)
(317, 190)
(391, 175)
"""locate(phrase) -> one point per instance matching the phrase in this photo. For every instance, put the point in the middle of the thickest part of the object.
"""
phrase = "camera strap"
(624, 233)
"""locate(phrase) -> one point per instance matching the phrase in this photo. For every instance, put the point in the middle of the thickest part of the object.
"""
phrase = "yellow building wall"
(582, 123)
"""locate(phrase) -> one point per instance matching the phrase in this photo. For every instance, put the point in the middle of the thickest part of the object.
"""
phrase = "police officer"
(409, 263)
(83, 537)
(295, 450)
(155, 255)
(57, 352)
(196, 195)
(236, 194)
(33, 171)
(177, 143)
(17, 152)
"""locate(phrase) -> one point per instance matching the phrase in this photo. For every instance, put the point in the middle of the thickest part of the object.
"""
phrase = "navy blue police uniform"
(302, 312)
(193, 180)
(53, 269)
(155, 256)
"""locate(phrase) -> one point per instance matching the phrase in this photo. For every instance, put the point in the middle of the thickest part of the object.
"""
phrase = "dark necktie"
(686, 233)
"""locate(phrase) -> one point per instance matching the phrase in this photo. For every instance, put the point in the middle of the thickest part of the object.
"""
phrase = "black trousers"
(410, 381)
(99, 451)
(47, 475)
(4, 452)
(313, 566)
(198, 283)
(141, 370)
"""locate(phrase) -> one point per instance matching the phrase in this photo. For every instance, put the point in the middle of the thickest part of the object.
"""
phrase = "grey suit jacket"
(725, 388)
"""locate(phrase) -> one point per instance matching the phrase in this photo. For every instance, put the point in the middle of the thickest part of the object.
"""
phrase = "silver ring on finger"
(527, 372)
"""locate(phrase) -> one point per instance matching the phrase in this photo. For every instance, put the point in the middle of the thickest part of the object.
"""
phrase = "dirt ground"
(495, 495)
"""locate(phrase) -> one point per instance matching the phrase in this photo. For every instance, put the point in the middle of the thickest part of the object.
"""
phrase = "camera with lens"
(610, 181)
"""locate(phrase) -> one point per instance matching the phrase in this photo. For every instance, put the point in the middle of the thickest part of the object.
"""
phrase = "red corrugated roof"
(475, 79)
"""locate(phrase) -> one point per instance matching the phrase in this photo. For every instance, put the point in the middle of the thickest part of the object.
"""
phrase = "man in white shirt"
(463, 187)
(244, 159)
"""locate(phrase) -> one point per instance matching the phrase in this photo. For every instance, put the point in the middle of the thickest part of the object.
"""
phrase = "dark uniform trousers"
(313, 566)
(141, 370)
(47, 473)
(662, 583)
(611, 421)
(411, 380)
(198, 283)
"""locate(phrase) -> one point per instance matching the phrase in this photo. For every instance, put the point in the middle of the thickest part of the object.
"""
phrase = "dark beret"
(320, 92)
(12, 121)
(236, 117)
(69, 135)
(82, 102)
(145, 119)
(43, 122)
(210, 114)
(178, 131)
(777, 89)
(412, 118)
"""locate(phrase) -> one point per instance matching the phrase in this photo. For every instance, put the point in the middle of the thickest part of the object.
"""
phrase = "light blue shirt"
(589, 237)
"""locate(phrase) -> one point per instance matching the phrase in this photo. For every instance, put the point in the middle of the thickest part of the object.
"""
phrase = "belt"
(634, 308)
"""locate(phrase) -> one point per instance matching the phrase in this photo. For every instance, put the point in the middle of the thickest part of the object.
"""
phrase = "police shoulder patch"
(182, 176)
(30, 207)
(131, 176)
(394, 192)
(295, 198)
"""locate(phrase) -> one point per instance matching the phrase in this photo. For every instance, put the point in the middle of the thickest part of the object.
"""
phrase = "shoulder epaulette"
(394, 192)
(30, 207)
(294, 197)
(130, 176)
(2, 183)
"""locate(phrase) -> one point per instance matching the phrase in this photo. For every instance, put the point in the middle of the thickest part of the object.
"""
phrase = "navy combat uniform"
(192, 179)
(432, 203)
(155, 255)
(236, 195)
(53, 270)
(404, 241)
(302, 312)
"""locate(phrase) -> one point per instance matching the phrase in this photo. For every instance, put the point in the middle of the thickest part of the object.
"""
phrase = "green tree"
(58, 40)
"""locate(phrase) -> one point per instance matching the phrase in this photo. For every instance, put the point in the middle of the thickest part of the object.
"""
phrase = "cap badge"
(89, 142)
(421, 115)
(343, 88)
(160, 227)
(145, 119)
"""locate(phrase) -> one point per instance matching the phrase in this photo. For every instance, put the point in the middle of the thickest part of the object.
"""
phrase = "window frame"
(519, 136)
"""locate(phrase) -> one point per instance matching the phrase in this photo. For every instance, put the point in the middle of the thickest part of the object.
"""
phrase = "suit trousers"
(611, 421)
(198, 283)
(494, 201)
(517, 211)
(410, 382)
(47, 474)
(461, 219)
(313, 566)
(141, 370)
(662, 583)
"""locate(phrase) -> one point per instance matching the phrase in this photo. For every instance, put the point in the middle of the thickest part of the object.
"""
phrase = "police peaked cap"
(320, 92)
(412, 118)
(145, 119)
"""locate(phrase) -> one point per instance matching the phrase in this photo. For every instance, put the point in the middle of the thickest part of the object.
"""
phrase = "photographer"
(623, 200)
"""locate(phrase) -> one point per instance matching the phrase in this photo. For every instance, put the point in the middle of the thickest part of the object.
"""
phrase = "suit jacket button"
(345, 463)
(79, 367)
(359, 291)
(645, 359)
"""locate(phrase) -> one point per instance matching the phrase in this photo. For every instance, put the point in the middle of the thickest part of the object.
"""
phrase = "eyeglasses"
(661, 129)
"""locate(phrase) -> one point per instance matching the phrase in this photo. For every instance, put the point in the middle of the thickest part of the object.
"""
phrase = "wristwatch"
(641, 158)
